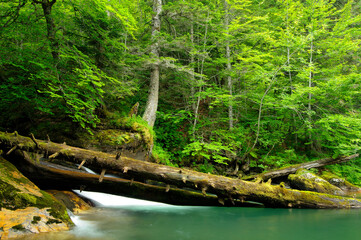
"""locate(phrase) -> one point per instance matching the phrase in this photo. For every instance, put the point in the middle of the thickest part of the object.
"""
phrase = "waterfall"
(113, 200)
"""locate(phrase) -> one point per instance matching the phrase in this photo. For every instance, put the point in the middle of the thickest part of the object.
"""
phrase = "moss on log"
(223, 187)
(281, 172)
(47, 175)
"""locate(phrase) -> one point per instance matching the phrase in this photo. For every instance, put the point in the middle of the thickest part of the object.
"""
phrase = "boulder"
(71, 200)
(128, 144)
(25, 208)
(340, 182)
(305, 180)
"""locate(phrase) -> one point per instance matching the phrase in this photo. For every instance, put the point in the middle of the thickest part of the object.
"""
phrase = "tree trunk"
(48, 175)
(196, 111)
(308, 165)
(50, 26)
(152, 103)
(310, 79)
(233, 189)
(229, 66)
(193, 79)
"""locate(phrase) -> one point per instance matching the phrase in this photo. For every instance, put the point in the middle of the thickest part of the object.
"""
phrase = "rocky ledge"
(24, 208)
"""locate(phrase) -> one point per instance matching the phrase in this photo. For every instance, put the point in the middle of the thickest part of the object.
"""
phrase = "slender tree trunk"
(289, 64)
(201, 79)
(289, 68)
(288, 51)
(229, 66)
(192, 75)
(152, 103)
(310, 78)
(310, 82)
(50, 26)
(310, 94)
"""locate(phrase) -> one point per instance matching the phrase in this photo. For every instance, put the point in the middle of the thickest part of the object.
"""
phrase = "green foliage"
(294, 69)
(206, 167)
(340, 134)
(161, 156)
(278, 159)
(172, 132)
(135, 124)
(350, 170)
(81, 89)
(74, 85)
(213, 151)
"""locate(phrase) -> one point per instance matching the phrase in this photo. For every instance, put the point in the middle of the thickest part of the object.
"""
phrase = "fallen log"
(281, 172)
(223, 187)
(47, 175)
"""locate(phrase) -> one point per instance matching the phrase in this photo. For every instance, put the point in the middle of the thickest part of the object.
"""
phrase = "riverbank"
(209, 223)
(25, 209)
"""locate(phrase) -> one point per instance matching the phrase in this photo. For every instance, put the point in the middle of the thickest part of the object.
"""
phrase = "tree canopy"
(249, 84)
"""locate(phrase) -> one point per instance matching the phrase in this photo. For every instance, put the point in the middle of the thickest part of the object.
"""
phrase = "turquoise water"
(208, 223)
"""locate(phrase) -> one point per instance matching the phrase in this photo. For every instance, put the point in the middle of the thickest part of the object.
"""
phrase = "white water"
(88, 170)
(92, 172)
(113, 200)
(88, 228)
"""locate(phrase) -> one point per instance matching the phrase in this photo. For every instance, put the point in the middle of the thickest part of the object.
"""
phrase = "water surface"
(157, 222)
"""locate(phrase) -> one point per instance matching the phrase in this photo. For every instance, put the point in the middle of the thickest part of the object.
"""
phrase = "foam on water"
(114, 200)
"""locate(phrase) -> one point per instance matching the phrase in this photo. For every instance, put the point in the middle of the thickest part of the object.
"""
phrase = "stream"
(121, 218)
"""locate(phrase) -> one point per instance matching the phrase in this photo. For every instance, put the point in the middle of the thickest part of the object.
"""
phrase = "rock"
(128, 144)
(306, 180)
(116, 141)
(15, 223)
(71, 200)
(340, 182)
(25, 208)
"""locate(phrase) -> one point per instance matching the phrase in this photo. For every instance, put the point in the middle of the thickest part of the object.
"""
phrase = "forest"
(229, 87)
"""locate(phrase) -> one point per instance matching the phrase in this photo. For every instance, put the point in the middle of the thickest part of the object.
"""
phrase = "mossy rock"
(21, 201)
(130, 136)
(71, 200)
(114, 141)
(134, 124)
(305, 180)
(110, 139)
(128, 144)
(340, 182)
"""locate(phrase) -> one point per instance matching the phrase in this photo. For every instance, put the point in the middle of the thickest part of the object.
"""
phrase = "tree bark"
(193, 79)
(196, 111)
(48, 175)
(223, 187)
(308, 165)
(50, 26)
(229, 66)
(152, 103)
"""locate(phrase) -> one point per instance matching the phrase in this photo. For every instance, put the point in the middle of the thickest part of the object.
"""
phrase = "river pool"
(160, 221)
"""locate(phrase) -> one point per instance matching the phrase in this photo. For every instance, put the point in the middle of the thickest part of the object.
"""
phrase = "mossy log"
(223, 187)
(281, 172)
(47, 175)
